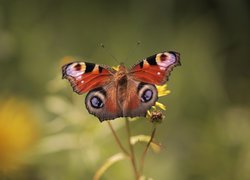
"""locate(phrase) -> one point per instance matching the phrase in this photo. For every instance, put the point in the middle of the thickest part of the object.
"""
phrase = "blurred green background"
(45, 130)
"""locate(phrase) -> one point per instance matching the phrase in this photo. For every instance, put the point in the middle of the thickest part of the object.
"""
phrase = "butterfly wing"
(103, 103)
(155, 69)
(84, 77)
(140, 98)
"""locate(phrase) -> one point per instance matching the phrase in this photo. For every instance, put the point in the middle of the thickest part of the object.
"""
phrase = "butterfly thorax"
(121, 80)
(121, 75)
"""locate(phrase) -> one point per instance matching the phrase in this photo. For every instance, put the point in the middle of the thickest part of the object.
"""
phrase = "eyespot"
(147, 95)
(96, 102)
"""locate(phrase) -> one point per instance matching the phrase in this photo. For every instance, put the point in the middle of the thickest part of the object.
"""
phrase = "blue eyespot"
(96, 102)
(147, 95)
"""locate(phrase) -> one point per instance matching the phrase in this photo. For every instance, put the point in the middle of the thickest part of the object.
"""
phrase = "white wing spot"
(82, 81)
(162, 68)
(158, 73)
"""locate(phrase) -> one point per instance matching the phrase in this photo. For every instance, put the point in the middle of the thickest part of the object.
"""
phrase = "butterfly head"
(121, 71)
(122, 67)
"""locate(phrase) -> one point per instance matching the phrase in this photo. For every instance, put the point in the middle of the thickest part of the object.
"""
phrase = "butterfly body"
(123, 92)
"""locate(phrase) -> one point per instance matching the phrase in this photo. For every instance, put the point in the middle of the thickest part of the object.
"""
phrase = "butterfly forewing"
(87, 76)
(155, 69)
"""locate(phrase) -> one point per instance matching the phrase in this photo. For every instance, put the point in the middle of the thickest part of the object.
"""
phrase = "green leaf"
(156, 147)
(110, 161)
(134, 119)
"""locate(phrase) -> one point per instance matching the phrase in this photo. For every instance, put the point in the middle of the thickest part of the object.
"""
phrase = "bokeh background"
(45, 130)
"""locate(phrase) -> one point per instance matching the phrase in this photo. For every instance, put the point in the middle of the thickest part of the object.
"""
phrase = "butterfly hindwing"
(103, 102)
(155, 69)
(139, 98)
(87, 76)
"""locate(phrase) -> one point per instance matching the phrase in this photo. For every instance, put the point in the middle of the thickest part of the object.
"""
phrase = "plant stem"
(132, 154)
(146, 149)
(117, 139)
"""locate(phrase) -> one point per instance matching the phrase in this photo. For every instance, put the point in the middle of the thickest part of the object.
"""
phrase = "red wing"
(84, 77)
(155, 69)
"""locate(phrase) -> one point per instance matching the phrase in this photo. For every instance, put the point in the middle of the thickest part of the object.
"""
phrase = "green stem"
(132, 154)
(146, 149)
(117, 139)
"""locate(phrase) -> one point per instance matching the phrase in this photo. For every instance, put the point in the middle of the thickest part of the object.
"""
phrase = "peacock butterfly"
(121, 93)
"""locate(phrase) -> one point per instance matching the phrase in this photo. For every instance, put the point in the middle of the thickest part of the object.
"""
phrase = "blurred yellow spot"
(18, 131)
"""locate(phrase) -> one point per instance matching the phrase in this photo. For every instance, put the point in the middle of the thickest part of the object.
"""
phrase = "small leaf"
(133, 119)
(110, 161)
(145, 178)
(156, 147)
(139, 138)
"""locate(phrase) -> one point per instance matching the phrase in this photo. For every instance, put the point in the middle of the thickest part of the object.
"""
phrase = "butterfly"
(124, 92)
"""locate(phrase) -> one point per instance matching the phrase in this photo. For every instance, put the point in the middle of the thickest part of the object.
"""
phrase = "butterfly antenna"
(107, 51)
(133, 50)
